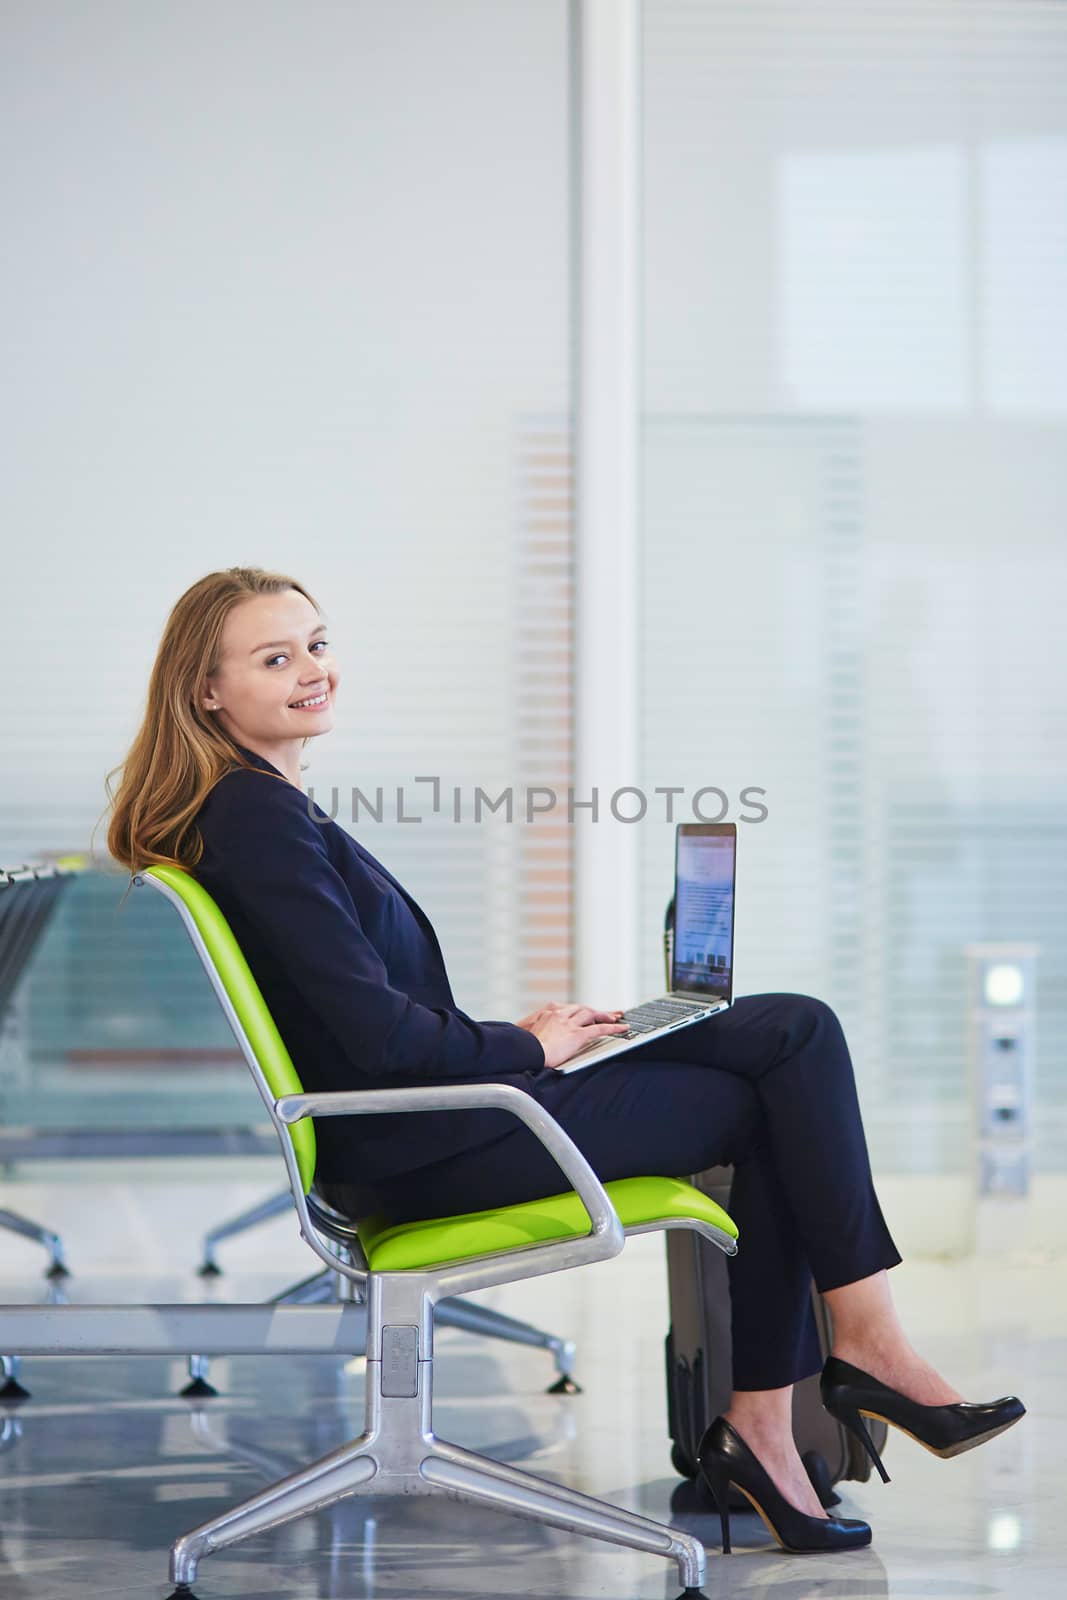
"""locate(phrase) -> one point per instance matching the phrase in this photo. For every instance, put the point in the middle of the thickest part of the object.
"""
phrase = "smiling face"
(276, 681)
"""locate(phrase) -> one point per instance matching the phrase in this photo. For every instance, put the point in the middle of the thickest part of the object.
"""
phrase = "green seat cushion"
(415, 1246)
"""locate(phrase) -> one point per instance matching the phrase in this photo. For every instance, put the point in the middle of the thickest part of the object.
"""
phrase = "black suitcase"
(699, 1352)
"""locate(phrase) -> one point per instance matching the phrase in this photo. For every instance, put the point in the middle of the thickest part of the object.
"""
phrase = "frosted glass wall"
(285, 285)
(855, 487)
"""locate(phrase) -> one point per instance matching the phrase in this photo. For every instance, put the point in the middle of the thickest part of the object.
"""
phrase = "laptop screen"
(704, 879)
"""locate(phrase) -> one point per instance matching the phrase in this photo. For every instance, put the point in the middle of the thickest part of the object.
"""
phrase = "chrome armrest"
(606, 1225)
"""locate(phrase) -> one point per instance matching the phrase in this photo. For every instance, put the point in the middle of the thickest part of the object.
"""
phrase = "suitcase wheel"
(821, 1482)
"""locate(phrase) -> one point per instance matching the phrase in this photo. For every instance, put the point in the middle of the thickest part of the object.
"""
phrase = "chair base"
(399, 1454)
(14, 1222)
(455, 1312)
(275, 1206)
(371, 1465)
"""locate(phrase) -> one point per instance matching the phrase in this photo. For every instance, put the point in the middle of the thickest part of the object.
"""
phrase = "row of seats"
(29, 893)
(402, 1280)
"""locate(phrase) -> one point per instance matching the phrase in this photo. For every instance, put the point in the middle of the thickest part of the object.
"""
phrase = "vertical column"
(606, 387)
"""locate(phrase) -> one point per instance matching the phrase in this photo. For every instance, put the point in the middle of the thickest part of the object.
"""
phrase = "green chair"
(406, 1270)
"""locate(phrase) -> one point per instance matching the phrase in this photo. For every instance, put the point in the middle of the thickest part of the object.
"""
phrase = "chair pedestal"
(399, 1454)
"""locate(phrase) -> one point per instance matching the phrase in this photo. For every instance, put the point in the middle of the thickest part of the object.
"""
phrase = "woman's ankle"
(867, 1355)
(770, 1440)
(766, 1415)
(899, 1367)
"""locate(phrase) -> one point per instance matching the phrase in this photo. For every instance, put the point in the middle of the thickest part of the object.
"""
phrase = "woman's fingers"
(574, 1016)
(583, 1016)
(586, 1014)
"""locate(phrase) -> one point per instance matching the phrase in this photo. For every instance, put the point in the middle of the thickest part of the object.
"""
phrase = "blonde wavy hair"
(180, 752)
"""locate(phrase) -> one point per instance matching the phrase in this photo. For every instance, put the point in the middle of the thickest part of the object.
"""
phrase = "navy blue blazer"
(352, 972)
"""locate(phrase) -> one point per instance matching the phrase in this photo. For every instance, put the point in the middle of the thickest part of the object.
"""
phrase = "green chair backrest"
(273, 1059)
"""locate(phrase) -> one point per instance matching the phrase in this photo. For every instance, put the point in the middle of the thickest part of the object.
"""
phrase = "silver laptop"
(702, 958)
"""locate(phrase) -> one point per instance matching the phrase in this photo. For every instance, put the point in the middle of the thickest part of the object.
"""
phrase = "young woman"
(354, 976)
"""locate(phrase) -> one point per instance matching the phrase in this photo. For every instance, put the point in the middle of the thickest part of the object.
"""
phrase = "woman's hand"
(564, 1029)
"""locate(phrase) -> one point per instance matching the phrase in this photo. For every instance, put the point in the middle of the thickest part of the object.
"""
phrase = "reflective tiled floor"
(103, 1467)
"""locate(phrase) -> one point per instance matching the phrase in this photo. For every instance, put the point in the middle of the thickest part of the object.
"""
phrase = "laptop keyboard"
(656, 1014)
(645, 1019)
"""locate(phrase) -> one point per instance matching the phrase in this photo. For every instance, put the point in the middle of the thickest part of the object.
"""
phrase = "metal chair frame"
(398, 1452)
(323, 1287)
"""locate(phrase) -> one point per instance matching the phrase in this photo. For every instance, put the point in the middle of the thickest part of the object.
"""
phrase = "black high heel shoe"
(725, 1458)
(850, 1394)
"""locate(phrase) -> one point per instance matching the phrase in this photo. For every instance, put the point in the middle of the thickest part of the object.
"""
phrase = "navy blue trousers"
(766, 1086)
